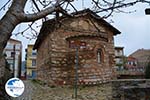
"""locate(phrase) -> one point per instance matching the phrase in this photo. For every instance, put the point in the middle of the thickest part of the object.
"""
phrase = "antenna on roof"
(57, 11)
(82, 4)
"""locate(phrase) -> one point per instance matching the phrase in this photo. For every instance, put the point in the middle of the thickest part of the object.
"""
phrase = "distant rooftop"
(14, 40)
(142, 55)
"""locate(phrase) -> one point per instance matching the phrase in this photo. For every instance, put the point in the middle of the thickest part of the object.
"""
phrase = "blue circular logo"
(14, 87)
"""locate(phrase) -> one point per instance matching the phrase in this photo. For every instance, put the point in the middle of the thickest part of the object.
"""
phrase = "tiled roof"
(142, 55)
(49, 26)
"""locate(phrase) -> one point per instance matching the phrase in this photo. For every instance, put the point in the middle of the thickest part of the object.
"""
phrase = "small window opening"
(99, 55)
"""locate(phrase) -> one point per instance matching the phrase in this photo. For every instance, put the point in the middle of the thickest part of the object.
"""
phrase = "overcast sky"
(135, 29)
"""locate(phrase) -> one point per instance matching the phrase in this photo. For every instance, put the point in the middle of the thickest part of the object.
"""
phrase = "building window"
(99, 55)
(17, 46)
(129, 63)
(9, 46)
(33, 52)
(13, 54)
(33, 74)
(33, 62)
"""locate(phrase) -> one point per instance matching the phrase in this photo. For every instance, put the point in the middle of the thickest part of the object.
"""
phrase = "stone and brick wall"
(56, 60)
(131, 89)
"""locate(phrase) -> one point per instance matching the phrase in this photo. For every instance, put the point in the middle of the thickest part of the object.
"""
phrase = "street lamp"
(13, 56)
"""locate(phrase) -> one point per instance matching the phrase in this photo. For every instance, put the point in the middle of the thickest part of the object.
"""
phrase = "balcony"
(32, 57)
(31, 67)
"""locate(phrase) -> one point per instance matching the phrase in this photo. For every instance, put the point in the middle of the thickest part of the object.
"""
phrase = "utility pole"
(76, 45)
(13, 55)
(76, 73)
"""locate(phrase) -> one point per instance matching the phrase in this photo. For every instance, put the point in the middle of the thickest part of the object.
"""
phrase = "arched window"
(99, 56)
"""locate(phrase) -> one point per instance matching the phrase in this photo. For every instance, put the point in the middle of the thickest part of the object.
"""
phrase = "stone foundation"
(113, 90)
(131, 89)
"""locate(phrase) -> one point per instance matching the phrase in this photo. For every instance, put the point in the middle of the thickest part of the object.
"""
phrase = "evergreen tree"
(147, 71)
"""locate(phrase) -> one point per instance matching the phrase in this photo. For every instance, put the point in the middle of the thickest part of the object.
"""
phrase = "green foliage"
(147, 71)
(36, 81)
(119, 65)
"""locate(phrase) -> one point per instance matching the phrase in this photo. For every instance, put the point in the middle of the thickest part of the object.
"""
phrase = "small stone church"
(84, 41)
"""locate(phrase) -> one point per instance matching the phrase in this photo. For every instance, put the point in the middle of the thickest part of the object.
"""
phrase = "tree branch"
(119, 6)
(38, 15)
(3, 7)
(44, 4)
(112, 10)
(42, 13)
(36, 5)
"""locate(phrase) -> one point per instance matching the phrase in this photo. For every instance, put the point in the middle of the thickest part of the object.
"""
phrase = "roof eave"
(77, 14)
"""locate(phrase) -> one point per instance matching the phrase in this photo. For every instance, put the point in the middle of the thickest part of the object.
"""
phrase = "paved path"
(36, 91)
(28, 92)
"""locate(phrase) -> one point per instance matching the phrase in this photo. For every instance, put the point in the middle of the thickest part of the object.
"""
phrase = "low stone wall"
(131, 89)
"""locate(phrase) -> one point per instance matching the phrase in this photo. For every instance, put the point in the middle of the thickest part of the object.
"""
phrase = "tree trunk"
(14, 16)
(9, 21)
(7, 24)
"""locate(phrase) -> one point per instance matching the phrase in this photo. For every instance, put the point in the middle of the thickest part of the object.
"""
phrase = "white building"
(13, 52)
(119, 57)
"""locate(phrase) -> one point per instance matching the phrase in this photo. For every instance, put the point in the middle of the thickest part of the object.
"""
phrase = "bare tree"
(42, 8)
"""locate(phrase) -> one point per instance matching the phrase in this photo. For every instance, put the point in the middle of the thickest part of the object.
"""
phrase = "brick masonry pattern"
(56, 61)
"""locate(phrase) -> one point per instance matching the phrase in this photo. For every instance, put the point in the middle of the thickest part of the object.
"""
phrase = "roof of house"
(49, 26)
(14, 40)
(116, 48)
(142, 55)
(130, 58)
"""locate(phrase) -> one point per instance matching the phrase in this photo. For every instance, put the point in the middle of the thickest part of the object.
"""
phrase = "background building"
(23, 70)
(30, 62)
(119, 58)
(13, 53)
(135, 63)
(142, 55)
